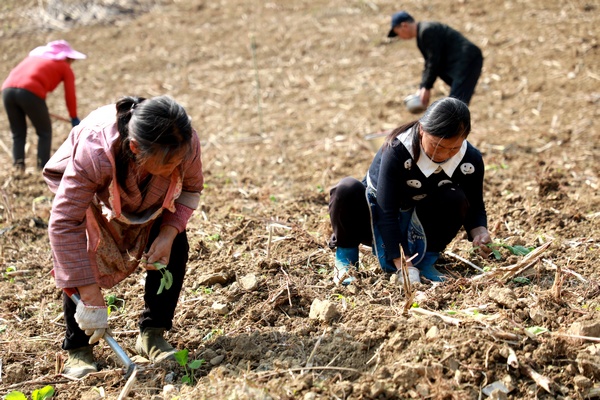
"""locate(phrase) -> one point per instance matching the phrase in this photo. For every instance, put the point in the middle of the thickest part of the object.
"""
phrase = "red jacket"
(41, 76)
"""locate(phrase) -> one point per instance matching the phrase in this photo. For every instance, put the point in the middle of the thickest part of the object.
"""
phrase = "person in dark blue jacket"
(423, 185)
(447, 53)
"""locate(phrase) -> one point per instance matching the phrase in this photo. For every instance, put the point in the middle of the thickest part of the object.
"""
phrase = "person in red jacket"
(24, 95)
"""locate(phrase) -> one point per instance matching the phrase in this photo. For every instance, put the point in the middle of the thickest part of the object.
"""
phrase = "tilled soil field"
(282, 94)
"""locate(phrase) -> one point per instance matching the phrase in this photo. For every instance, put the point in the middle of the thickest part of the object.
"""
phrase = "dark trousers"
(159, 309)
(20, 104)
(442, 214)
(463, 89)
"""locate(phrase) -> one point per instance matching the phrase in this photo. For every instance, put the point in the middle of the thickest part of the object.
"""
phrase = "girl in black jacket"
(424, 184)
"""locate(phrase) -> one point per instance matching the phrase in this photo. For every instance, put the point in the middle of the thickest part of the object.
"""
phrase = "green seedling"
(182, 358)
(6, 274)
(112, 301)
(592, 306)
(167, 277)
(536, 330)
(522, 280)
(212, 334)
(39, 394)
(341, 298)
(204, 290)
(516, 250)
(338, 296)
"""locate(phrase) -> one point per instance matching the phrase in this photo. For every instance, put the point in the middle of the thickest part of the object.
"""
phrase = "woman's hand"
(91, 295)
(160, 250)
(481, 237)
(91, 313)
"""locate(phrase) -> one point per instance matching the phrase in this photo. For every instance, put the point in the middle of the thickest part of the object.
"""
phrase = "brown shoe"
(80, 362)
(151, 344)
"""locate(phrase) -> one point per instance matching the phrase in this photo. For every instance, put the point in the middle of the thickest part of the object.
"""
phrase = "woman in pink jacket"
(24, 95)
(126, 182)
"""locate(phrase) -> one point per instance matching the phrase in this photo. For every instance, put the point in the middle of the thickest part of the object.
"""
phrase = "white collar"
(426, 164)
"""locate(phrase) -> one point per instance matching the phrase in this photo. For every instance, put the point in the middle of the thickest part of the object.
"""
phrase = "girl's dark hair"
(446, 118)
(160, 127)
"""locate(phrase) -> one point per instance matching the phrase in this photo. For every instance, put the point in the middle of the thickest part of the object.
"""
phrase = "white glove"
(93, 320)
(414, 275)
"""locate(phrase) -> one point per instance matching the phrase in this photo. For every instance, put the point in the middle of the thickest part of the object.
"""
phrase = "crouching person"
(423, 185)
(126, 182)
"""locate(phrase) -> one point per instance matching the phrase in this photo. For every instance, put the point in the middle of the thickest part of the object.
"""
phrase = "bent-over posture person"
(127, 180)
(24, 95)
(447, 54)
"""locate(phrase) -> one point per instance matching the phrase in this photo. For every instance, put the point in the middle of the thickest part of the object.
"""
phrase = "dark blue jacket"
(400, 185)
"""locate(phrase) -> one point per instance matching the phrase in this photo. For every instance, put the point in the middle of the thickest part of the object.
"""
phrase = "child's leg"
(349, 216)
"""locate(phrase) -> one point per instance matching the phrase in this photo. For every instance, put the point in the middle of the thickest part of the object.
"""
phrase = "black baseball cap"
(397, 19)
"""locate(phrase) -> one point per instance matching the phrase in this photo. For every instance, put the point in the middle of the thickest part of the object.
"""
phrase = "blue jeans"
(412, 235)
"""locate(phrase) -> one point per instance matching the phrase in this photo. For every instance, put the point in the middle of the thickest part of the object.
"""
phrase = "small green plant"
(516, 250)
(212, 334)
(338, 296)
(38, 394)
(112, 302)
(586, 306)
(182, 358)
(342, 299)
(214, 238)
(204, 290)
(7, 275)
(536, 330)
(167, 278)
